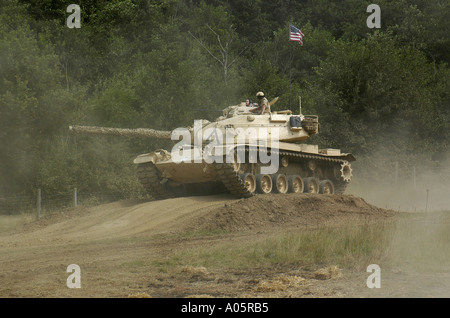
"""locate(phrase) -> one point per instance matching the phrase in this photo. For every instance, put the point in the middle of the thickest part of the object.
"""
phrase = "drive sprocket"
(346, 171)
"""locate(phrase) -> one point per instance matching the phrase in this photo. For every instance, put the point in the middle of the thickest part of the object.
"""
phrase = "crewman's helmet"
(260, 94)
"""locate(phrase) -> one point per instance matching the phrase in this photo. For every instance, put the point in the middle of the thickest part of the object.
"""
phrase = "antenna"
(300, 103)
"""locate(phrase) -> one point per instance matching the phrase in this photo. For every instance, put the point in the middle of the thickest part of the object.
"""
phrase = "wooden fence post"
(75, 197)
(396, 172)
(38, 204)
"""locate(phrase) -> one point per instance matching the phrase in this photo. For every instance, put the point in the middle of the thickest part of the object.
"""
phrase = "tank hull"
(234, 170)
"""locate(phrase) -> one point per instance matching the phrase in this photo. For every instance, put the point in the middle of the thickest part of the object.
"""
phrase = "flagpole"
(290, 79)
(290, 73)
(295, 34)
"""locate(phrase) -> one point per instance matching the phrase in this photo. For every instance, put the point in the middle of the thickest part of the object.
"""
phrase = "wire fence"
(42, 202)
(397, 185)
(388, 184)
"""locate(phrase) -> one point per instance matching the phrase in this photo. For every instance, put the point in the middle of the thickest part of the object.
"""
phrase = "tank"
(242, 152)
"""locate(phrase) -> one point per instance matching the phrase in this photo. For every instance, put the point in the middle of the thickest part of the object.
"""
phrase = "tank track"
(236, 186)
(231, 180)
(339, 185)
(149, 177)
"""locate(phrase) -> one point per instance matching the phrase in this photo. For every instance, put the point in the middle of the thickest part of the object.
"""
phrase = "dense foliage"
(163, 63)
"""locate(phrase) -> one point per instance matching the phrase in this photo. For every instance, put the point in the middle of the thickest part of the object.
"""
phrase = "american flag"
(296, 34)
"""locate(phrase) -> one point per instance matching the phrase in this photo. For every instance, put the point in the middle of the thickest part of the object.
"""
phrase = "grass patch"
(418, 241)
(135, 263)
(349, 246)
(422, 242)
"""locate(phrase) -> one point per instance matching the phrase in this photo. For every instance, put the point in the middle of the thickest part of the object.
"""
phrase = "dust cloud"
(402, 185)
(417, 261)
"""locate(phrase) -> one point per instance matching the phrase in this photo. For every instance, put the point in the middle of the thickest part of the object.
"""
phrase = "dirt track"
(117, 246)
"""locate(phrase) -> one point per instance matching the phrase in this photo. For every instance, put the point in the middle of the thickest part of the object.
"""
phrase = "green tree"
(33, 104)
(382, 90)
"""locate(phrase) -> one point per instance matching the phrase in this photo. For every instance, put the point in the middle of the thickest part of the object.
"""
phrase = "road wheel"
(249, 181)
(295, 184)
(263, 183)
(311, 185)
(280, 183)
(326, 187)
(236, 163)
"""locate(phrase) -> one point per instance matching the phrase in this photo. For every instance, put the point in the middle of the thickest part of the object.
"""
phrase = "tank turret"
(242, 152)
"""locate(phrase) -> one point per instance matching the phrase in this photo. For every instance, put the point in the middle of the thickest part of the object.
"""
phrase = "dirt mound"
(293, 210)
(113, 220)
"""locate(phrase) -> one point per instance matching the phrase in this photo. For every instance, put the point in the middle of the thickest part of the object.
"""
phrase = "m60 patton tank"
(241, 152)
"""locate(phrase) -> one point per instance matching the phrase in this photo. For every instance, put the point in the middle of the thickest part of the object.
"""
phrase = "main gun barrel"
(137, 132)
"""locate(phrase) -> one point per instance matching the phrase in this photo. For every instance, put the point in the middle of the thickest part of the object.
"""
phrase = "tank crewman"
(249, 103)
(263, 103)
